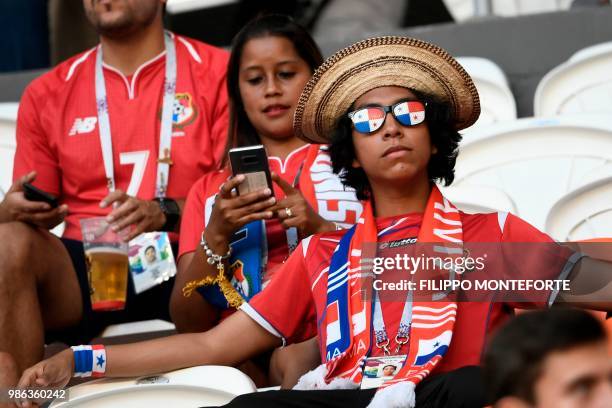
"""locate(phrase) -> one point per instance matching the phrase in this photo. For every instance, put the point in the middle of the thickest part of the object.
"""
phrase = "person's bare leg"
(8, 374)
(288, 364)
(38, 289)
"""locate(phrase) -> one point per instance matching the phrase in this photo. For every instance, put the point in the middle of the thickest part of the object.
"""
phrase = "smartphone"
(252, 161)
(35, 194)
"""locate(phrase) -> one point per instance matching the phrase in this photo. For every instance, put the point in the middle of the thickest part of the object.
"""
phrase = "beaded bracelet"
(234, 299)
(89, 361)
(213, 258)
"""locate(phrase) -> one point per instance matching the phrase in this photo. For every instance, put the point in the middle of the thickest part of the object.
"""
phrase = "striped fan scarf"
(348, 314)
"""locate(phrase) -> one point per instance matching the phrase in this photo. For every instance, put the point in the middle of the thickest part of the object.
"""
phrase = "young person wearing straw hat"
(392, 107)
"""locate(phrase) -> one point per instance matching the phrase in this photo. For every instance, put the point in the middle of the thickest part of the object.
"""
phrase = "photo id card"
(378, 370)
(151, 260)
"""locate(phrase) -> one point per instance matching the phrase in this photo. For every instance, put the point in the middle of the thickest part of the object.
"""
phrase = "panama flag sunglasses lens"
(368, 120)
(409, 113)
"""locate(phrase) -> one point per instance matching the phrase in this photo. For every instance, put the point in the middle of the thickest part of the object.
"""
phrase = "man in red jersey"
(121, 130)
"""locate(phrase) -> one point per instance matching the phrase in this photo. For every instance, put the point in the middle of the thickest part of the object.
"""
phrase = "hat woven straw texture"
(376, 62)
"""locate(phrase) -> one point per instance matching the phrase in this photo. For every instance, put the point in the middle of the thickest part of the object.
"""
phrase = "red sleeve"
(192, 219)
(285, 307)
(530, 254)
(215, 89)
(218, 132)
(33, 150)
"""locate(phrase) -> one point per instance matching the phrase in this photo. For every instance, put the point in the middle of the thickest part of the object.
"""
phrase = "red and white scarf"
(349, 329)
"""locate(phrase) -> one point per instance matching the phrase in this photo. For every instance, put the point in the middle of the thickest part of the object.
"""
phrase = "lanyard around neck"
(380, 331)
(165, 137)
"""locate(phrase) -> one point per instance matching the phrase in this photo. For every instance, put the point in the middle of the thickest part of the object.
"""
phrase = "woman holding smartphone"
(272, 59)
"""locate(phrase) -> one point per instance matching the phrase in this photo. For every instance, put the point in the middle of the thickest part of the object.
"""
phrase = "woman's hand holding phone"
(232, 211)
(300, 215)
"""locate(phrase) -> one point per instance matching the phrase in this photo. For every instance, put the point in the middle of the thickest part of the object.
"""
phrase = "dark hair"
(514, 358)
(241, 132)
(444, 137)
(150, 247)
(390, 365)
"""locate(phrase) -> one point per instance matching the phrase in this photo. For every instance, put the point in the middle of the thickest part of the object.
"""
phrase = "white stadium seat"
(181, 6)
(584, 213)
(479, 199)
(535, 161)
(462, 10)
(582, 84)
(144, 326)
(510, 8)
(8, 122)
(189, 387)
(496, 100)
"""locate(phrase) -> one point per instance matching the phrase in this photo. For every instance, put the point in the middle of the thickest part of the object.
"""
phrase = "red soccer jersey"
(292, 305)
(57, 129)
(202, 195)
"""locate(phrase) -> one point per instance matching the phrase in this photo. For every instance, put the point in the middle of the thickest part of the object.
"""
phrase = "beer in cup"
(106, 256)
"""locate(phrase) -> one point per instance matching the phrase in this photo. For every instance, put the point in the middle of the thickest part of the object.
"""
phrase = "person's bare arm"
(591, 285)
(192, 314)
(225, 344)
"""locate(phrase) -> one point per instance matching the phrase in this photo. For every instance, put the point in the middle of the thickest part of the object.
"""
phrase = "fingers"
(136, 230)
(225, 191)
(287, 188)
(58, 212)
(246, 199)
(32, 377)
(45, 218)
(27, 206)
(115, 196)
(18, 184)
(265, 215)
(41, 378)
(133, 217)
(126, 208)
(257, 207)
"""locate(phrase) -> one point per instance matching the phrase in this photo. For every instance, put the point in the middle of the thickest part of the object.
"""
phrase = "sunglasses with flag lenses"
(371, 118)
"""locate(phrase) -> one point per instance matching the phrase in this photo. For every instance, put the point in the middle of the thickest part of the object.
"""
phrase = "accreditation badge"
(151, 260)
(378, 370)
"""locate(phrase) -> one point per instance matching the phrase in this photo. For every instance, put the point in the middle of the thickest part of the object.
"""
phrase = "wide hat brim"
(382, 61)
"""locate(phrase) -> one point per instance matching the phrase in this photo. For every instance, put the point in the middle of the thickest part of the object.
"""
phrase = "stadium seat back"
(582, 84)
(584, 213)
(534, 161)
(496, 100)
(190, 387)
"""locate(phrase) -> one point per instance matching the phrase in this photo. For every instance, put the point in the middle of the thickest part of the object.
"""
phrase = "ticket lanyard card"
(378, 370)
(151, 260)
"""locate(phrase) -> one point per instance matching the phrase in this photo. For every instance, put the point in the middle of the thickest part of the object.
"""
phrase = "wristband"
(89, 361)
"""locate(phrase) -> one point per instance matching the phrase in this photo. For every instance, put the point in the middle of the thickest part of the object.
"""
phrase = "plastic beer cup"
(106, 256)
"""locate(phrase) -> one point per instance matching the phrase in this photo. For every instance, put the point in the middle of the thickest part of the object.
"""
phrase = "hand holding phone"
(32, 193)
(26, 203)
(251, 161)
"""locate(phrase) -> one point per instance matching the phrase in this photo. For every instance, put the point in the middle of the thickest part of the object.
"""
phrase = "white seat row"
(189, 387)
(462, 10)
(529, 165)
(582, 84)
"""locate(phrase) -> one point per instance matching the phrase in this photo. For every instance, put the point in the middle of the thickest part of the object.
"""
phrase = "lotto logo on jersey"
(83, 125)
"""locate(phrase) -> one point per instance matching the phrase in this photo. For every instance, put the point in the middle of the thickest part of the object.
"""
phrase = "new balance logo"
(84, 125)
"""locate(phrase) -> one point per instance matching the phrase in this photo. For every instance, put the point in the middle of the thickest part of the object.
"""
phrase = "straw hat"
(376, 62)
